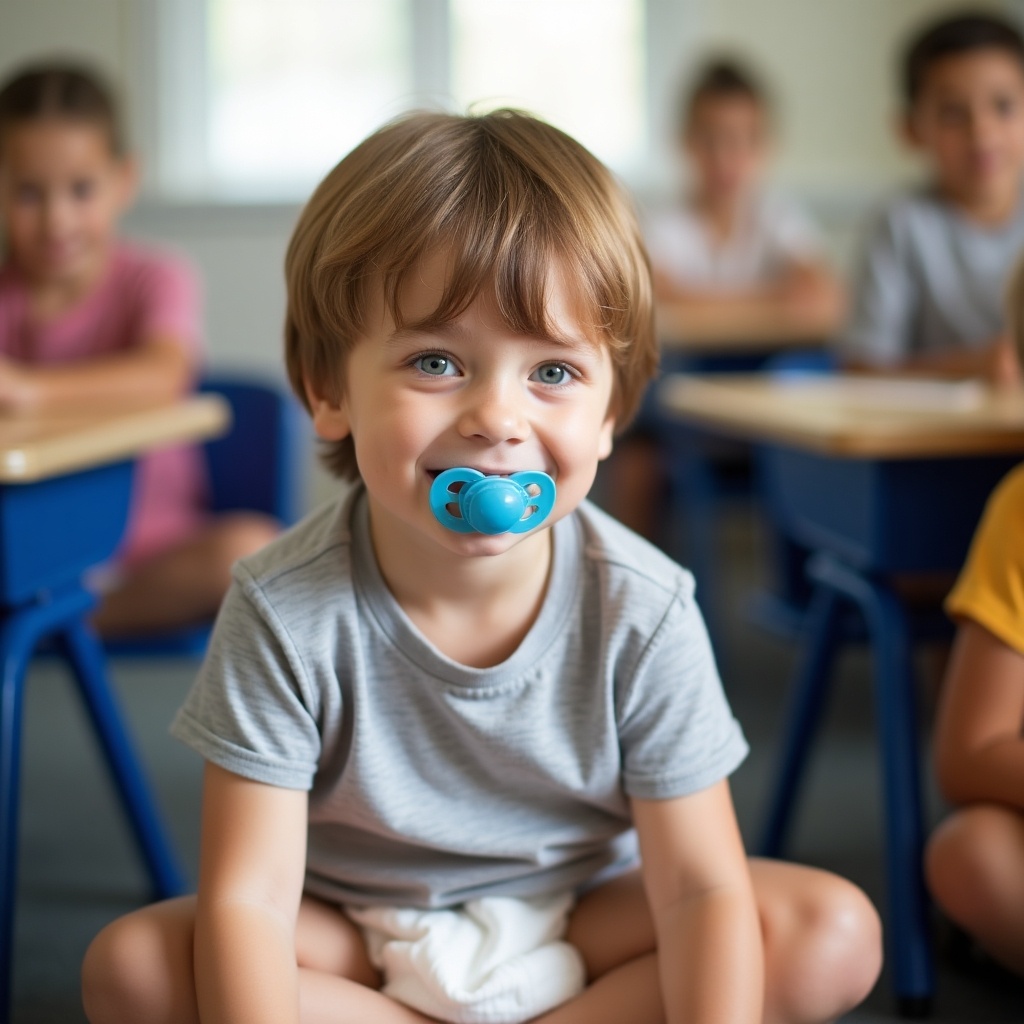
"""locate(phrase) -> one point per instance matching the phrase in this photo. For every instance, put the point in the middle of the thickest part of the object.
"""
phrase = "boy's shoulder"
(626, 560)
(307, 558)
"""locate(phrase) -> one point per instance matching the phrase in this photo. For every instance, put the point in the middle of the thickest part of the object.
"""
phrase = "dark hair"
(954, 36)
(66, 91)
(508, 197)
(720, 78)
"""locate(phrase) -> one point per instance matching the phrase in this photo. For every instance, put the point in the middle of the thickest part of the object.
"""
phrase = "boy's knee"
(107, 973)
(824, 951)
(136, 965)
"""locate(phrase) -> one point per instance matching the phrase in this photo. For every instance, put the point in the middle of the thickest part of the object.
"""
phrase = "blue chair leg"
(909, 933)
(85, 655)
(806, 703)
(21, 630)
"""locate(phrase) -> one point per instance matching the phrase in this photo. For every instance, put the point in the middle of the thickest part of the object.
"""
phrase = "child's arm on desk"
(806, 292)
(252, 867)
(995, 362)
(156, 371)
(710, 955)
(979, 749)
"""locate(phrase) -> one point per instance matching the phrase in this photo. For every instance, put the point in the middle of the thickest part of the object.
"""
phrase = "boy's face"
(726, 146)
(470, 393)
(61, 193)
(969, 117)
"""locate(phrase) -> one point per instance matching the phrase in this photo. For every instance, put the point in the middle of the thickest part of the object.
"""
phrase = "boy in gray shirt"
(464, 764)
(930, 293)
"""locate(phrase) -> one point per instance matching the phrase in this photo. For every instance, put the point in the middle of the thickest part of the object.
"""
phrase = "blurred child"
(732, 251)
(975, 859)
(733, 244)
(86, 319)
(428, 745)
(930, 294)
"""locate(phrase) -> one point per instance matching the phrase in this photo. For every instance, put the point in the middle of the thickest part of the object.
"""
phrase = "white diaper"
(495, 960)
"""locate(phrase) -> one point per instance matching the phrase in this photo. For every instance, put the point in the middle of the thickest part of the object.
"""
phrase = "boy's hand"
(1003, 369)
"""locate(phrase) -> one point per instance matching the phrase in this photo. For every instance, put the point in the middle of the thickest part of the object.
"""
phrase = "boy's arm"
(979, 750)
(710, 957)
(252, 866)
(156, 371)
(995, 362)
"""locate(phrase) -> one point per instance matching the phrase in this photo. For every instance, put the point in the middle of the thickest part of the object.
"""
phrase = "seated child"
(440, 714)
(733, 244)
(86, 319)
(975, 859)
(930, 294)
(732, 251)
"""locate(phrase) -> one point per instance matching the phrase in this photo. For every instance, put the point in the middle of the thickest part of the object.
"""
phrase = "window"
(289, 86)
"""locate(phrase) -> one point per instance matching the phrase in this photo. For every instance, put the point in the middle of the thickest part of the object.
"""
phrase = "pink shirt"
(143, 293)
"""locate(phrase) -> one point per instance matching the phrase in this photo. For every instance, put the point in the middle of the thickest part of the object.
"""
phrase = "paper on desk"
(908, 394)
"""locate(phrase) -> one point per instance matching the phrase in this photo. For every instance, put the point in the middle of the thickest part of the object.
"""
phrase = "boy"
(732, 252)
(930, 294)
(468, 724)
(733, 246)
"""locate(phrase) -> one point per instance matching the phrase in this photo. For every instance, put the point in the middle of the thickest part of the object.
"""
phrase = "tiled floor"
(78, 869)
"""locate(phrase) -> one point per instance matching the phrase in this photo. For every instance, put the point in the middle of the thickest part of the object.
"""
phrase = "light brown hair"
(61, 91)
(507, 197)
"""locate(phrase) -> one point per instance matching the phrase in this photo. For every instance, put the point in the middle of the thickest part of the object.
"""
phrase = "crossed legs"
(822, 951)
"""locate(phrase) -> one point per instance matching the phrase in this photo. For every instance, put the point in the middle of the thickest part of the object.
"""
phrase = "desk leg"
(803, 714)
(86, 658)
(895, 704)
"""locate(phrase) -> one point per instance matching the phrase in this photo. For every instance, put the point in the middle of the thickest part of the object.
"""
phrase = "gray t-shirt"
(432, 783)
(931, 281)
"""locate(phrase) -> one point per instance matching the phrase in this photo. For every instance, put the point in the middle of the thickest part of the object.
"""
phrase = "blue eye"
(435, 365)
(551, 373)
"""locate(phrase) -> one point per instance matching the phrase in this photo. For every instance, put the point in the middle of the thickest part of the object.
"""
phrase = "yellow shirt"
(990, 589)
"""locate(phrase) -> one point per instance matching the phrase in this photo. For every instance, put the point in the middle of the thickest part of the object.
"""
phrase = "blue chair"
(259, 466)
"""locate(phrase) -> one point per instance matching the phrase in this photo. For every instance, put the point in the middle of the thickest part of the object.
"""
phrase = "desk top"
(36, 446)
(728, 330)
(856, 417)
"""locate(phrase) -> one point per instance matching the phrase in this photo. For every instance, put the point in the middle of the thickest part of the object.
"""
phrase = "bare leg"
(822, 943)
(822, 953)
(185, 584)
(139, 969)
(975, 869)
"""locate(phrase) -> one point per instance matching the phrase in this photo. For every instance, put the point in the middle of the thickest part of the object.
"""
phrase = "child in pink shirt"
(87, 319)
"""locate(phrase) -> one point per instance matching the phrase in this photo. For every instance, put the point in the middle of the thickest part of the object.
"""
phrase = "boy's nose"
(495, 414)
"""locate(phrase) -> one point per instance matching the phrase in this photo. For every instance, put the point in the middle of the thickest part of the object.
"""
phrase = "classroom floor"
(78, 868)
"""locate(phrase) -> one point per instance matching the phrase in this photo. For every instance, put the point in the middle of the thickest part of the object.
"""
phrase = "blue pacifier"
(491, 504)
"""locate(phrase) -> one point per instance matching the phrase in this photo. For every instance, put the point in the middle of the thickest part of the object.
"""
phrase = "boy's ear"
(330, 418)
(907, 129)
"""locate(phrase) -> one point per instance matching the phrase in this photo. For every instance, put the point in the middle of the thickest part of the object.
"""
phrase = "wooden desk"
(879, 478)
(65, 484)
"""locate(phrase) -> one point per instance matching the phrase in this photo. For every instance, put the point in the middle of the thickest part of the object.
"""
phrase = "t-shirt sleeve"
(170, 304)
(990, 589)
(250, 709)
(676, 731)
(880, 328)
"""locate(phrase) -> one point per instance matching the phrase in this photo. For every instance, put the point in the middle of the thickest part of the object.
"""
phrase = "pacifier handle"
(491, 505)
